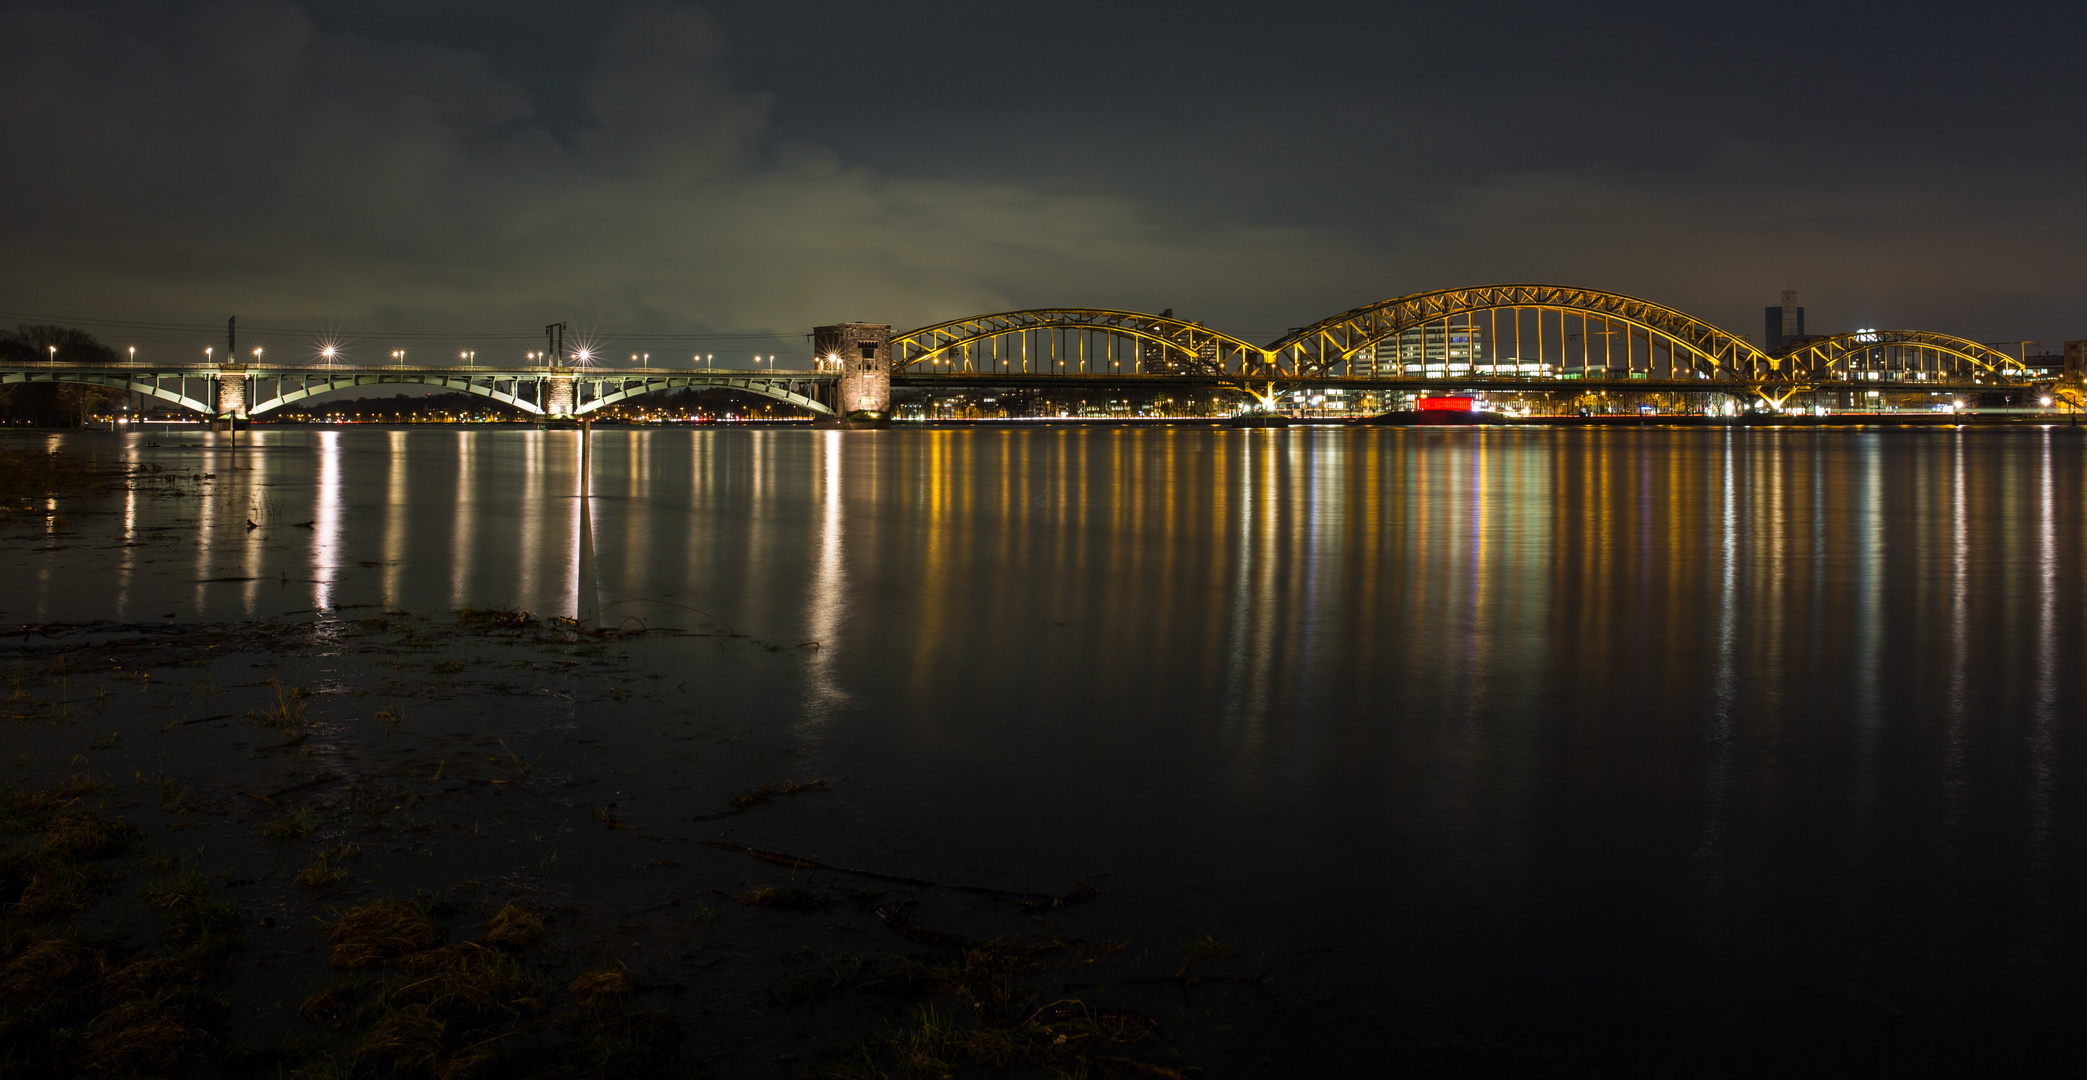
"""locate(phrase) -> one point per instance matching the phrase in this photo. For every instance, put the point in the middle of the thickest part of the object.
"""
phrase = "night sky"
(743, 167)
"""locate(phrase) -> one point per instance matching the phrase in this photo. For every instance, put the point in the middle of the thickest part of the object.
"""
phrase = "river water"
(1641, 749)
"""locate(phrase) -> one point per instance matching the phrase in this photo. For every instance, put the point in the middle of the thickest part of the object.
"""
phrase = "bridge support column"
(862, 354)
(559, 394)
(231, 394)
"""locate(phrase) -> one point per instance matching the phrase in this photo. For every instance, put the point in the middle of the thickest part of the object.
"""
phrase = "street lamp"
(328, 352)
(54, 354)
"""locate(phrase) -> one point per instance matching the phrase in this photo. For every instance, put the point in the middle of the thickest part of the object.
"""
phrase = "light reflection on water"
(1610, 739)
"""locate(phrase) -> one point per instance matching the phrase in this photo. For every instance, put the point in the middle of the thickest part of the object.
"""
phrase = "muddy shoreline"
(310, 768)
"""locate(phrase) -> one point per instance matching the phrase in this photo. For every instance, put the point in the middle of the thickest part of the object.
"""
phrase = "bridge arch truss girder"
(794, 390)
(1184, 347)
(1710, 351)
(311, 385)
(149, 384)
(1856, 355)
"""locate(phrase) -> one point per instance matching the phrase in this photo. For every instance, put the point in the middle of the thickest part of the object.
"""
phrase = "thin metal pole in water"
(586, 455)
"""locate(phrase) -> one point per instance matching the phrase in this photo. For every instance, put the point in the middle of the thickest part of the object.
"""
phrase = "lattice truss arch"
(1711, 352)
(1168, 346)
(1896, 355)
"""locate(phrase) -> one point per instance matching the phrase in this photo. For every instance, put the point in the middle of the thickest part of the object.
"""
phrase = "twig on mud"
(326, 779)
(796, 862)
(1145, 1067)
(1186, 978)
(197, 720)
(742, 803)
(899, 917)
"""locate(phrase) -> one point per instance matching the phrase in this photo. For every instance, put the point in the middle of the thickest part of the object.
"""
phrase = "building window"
(869, 350)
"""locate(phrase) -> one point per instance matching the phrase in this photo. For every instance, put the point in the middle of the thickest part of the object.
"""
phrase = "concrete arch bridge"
(549, 392)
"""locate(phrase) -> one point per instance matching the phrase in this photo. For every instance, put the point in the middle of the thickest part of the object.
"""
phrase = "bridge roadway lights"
(558, 395)
(861, 352)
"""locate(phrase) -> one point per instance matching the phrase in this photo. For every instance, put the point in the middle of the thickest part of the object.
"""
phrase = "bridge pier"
(861, 352)
(559, 395)
(231, 395)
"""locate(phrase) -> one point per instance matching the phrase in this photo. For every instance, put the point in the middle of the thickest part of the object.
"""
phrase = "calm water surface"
(1712, 750)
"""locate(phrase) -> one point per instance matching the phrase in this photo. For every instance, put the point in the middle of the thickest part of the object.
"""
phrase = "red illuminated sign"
(1445, 404)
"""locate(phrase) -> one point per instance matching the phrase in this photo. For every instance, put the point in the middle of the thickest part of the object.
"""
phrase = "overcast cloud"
(380, 169)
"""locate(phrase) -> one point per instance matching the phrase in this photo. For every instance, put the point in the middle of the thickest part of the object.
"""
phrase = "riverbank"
(375, 843)
(266, 793)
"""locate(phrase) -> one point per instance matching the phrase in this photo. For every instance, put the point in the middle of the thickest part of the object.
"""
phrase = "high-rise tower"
(1784, 324)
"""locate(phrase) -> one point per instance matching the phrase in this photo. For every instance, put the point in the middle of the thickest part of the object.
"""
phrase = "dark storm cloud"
(639, 166)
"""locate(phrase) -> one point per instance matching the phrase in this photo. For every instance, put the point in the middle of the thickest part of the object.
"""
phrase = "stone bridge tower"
(861, 352)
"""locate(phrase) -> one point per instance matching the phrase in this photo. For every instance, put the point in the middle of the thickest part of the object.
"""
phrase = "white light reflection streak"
(128, 566)
(827, 600)
(396, 504)
(327, 523)
(205, 497)
(1956, 730)
(1710, 871)
(1869, 654)
(2043, 718)
(257, 476)
(464, 539)
(1253, 611)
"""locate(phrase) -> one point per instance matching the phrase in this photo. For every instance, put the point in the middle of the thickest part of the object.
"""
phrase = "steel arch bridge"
(1897, 355)
(1075, 341)
(1511, 331)
(1525, 336)
(1542, 330)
